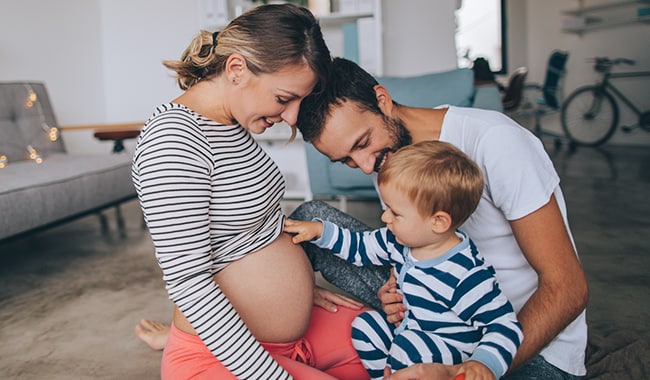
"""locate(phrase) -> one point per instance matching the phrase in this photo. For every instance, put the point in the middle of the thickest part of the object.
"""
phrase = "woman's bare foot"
(153, 333)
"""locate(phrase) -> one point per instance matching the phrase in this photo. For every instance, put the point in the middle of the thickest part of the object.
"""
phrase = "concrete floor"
(71, 295)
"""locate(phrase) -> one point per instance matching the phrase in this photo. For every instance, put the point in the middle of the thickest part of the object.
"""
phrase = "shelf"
(603, 16)
(606, 24)
(343, 18)
(604, 7)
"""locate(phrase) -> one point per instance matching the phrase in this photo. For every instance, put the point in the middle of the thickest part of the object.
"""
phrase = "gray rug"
(70, 297)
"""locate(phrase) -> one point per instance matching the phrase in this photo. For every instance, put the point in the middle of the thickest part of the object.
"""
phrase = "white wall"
(418, 36)
(137, 36)
(544, 34)
(43, 40)
(102, 62)
(516, 34)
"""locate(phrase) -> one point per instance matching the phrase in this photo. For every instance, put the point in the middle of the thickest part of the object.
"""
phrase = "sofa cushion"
(344, 177)
(25, 118)
(454, 87)
(488, 97)
(63, 186)
(11, 142)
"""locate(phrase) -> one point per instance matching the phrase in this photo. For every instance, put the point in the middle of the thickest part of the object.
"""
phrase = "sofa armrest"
(488, 97)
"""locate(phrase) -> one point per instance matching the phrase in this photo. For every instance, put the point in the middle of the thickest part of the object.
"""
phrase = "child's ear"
(440, 222)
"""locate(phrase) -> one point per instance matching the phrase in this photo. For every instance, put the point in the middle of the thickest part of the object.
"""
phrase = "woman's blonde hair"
(269, 37)
(435, 176)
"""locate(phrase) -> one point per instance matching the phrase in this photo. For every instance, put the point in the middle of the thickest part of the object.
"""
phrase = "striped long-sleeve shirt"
(455, 296)
(209, 195)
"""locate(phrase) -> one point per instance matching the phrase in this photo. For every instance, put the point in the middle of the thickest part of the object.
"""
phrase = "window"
(480, 32)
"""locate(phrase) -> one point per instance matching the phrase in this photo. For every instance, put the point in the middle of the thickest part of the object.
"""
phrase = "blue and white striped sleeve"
(479, 301)
(358, 248)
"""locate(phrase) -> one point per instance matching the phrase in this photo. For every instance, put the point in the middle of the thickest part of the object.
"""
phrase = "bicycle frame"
(605, 84)
(590, 115)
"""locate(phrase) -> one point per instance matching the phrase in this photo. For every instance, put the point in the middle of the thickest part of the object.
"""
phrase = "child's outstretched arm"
(303, 230)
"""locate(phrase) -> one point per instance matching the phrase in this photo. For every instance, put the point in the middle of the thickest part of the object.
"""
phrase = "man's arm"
(562, 290)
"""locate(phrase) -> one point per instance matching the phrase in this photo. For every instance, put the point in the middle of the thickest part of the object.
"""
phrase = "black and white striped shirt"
(209, 195)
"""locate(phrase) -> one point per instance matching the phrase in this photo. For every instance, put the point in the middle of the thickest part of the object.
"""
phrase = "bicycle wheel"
(589, 116)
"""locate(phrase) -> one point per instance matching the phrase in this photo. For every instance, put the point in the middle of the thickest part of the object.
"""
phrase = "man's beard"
(400, 137)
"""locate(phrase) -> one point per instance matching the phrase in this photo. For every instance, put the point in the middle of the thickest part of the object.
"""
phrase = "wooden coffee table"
(117, 136)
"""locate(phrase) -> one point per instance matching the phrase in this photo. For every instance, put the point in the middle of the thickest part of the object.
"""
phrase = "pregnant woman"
(243, 293)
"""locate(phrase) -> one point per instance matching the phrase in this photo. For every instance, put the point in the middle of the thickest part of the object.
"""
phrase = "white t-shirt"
(519, 179)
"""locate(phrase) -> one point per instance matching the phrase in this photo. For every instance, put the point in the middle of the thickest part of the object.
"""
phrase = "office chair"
(551, 97)
(515, 90)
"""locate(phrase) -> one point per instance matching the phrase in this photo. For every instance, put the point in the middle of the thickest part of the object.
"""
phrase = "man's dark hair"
(346, 82)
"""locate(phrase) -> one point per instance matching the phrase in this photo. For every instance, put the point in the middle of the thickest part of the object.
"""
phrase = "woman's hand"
(302, 230)
(391, 301)
(330, 301)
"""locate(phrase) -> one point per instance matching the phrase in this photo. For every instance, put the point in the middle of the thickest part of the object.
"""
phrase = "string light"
(31, 101)
(52, 132)
(31, 98)
(3, 161)
(33, 154)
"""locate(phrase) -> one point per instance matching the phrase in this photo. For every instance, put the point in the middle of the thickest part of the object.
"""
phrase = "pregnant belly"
(272, 290)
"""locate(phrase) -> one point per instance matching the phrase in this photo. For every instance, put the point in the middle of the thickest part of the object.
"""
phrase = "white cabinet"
(290, 157)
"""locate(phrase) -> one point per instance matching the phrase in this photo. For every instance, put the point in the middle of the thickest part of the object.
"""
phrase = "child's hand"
(303, 230)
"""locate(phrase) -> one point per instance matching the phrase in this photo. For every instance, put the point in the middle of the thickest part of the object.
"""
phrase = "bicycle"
(589, 116)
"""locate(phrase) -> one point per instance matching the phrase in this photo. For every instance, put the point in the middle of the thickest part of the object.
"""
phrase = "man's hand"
(424, 371)
(391, 301)
(303, 230)
(330, 301)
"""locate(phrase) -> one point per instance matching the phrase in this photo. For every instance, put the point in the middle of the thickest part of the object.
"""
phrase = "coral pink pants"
(325, 352)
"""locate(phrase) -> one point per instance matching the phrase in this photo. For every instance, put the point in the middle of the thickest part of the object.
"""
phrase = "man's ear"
(236, 68)
(384, 100)
(440, 222)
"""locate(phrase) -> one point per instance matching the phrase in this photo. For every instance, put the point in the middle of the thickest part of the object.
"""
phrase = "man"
(520, 224)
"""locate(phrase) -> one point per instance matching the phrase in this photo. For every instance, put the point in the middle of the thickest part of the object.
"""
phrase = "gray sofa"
(61, 187)
(454, 87)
